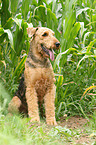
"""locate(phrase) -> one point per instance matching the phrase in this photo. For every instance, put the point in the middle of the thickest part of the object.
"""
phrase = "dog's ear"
(31, 31)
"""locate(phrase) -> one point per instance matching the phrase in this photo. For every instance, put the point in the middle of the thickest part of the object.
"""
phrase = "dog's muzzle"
(48, 52)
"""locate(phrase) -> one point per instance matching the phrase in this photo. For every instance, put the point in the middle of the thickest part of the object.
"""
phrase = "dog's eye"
(45, 34)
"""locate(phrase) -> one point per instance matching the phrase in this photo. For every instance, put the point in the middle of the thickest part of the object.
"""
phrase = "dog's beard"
(48, 52)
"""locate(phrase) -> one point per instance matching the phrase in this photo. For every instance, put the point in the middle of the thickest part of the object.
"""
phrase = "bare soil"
(73, 122)
(80, 124)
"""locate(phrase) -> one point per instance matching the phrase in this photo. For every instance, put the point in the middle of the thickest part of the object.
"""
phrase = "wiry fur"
(39, 75)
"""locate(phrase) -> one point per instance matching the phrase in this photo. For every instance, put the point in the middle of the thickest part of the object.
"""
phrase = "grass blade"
(89, 88)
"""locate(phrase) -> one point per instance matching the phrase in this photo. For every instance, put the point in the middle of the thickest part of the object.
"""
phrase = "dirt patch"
(81, 131)
(73, 122)
(80, 125)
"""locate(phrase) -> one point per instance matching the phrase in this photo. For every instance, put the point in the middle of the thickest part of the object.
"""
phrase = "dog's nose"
(57, 44)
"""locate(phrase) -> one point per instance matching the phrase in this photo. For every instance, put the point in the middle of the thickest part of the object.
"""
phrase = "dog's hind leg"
(14, 105)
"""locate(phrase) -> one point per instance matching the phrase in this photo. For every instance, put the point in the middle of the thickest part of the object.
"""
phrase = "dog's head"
(44, 40)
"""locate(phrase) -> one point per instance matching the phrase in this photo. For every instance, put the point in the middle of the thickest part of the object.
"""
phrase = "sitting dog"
(38, 82)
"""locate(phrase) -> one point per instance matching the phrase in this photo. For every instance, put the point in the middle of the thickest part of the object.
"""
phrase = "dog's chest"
(40, 78)
(42, 86)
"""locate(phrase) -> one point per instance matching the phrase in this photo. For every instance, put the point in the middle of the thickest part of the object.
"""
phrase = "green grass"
(14, 129)
(17, 130)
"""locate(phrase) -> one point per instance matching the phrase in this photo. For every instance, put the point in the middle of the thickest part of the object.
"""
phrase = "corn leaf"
(1, 31)
(60, 55)
(81, 10)
(84, 57)
(10, 36)
(19, 68)
(90, 45)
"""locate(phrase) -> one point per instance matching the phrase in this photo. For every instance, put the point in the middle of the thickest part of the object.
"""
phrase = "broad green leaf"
(90, 45)
(82, 30)
(87, 35)
(46, 17)
(5, 14)
(75, 30)
(60, 55)
(81, 10)
(58, 58)
(2, 37)
(52, 22)
(34, 2)
(40, 6)
(25, 8)
(69, 21)
(14, 4)
(18, 22)
(10, 36)
(72, 3)
(84, 57)
(73, 34)
(40, 13)
(9, 23)
(19, 67)
(1, 31)
(20, 37)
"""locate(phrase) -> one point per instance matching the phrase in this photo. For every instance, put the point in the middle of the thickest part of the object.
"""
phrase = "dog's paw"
(35, 119)
(51, 122)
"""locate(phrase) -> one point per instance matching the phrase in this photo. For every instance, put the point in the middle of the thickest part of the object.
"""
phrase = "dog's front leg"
(32, 102)
(49, 106)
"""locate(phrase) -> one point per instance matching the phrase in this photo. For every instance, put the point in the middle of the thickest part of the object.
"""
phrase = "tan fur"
(14, 105)
(39, 75)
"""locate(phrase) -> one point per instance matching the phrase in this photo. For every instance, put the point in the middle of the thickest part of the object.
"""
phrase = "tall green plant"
(74, 24)
(14, 47)
(69, 27)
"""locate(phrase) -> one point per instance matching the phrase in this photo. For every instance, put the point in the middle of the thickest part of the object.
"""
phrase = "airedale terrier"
(38, 75)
